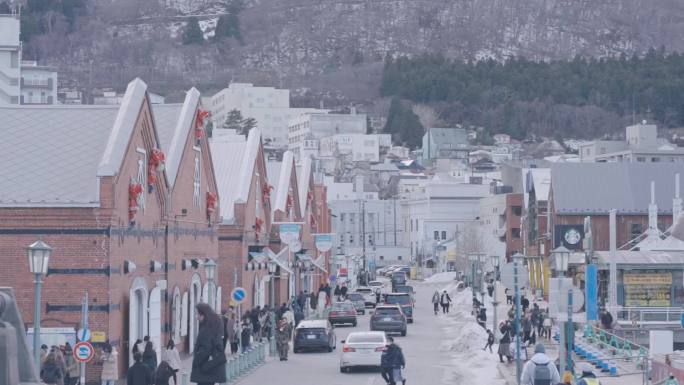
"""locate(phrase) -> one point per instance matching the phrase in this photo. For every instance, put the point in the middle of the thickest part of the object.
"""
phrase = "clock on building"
(572, 236)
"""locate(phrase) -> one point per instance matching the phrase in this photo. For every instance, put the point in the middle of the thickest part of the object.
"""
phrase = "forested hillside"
(581, 98)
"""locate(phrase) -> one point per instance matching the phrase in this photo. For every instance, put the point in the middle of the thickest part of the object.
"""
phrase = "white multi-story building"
(309, 127)
(373, 221)
(493, 224)
(269, 106)
(10, 60)
(38, 84)
(445, 211)
(22, 82)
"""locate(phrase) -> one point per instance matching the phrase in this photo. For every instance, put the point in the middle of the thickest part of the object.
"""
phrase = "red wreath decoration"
(309, 196)
(211, 203)
(257, 227)
(312, 220)
(202, 115)
(134, 191)
(156, 164)
(266, 192)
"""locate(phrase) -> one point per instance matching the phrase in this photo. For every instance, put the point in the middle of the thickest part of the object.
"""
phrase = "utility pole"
(394, 199)
(363, 230)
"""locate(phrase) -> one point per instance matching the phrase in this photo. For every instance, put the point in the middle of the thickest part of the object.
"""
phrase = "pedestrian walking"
(588, 377)
(540, 370)
(163, 374)
(209, 359)
(245, 336)
(435, 301)
(445, 300)
(514, 350)
(139, 373)
(313, 300)
(396, 360)
(343, 292)
(43, 354)
(509, 297)
(490, 288)
(504, 342)
(671, 381)
(546, 323)
(256, 325)
(490, 341)
(527, 329)
(386, 365)
(61, 361)
(171, 356)
(110, 364)
(482, 317)
(138, 347)
(73, 371)
(525, 303)
(52, 372)
(283, 336)
(150, 356)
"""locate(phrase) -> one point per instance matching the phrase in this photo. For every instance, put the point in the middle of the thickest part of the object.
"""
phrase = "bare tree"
(427, 115)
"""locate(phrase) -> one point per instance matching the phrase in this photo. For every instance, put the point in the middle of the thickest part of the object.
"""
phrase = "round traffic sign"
(83, 351)
(83, 334)
(238, 294)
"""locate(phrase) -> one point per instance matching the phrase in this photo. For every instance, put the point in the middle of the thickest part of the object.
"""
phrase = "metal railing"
(620, 347)
(650, 315)
(239, 365)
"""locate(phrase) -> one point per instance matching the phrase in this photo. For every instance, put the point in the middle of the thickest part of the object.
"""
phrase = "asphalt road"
(425, 363)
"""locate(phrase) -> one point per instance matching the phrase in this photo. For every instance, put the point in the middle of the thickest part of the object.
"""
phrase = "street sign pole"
(517, 322)
(570, 332)
(84, 321)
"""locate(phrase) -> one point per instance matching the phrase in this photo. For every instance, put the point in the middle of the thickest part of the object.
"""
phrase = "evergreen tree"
(233, 121)
(404, 125)
(193, 33)
(247, 125)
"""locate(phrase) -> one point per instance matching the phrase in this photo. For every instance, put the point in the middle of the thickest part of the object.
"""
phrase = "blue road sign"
(238, 294)
(83, 334)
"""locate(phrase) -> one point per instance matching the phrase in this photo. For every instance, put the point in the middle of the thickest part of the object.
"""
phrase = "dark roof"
(592, 188)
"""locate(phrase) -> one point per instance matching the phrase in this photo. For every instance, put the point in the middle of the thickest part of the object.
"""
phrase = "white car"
(362, 349)
(368, 294)
(376, 285)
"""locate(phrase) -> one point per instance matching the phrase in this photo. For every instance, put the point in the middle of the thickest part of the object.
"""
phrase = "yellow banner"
(647, 279)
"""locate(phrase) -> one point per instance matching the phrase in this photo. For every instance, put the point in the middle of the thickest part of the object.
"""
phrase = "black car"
(342, 313)
(314, 335)
(389, 319)
(404, 301)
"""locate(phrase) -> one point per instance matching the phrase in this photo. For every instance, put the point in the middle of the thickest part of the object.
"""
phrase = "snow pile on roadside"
(448, 276)
(465, 340)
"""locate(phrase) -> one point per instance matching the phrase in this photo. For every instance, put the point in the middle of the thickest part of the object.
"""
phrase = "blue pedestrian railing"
(239, 365)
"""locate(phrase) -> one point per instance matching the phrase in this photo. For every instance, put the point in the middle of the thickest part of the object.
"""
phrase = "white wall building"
(493, 224)
(269, 106)
(310, 126)
(444, 212)
(642, 145)
(10, 60)
(38, 84)
(381, 229)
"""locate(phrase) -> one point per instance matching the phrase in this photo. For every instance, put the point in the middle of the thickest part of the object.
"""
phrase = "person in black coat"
(139, 373)
(149, 356)
(209, 360)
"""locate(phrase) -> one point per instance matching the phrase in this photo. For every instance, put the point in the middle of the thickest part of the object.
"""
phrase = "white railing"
(650, 315)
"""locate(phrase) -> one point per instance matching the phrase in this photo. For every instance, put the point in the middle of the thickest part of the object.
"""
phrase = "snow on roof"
(283, 186)
(50, 154)
(174, 123)
(304, 182)
(120, 135)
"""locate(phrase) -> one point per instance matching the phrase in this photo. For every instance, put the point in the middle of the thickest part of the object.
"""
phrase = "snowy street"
(431, 356)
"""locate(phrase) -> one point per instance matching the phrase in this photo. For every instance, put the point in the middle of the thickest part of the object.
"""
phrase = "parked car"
(359, 301)
(362, 349)
(368, 294)
(389, 319)
(404, 301)
(376, 285)
(391, 270)
(314, 335)
(342, 313)
(406, 289)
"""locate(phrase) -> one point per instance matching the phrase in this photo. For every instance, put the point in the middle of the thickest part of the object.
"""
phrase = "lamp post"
(472, 258)
(481, 259)
(561, 256)
(272, 268)
(494, 259)
(210, 271)
(517, 262)
(39, 257)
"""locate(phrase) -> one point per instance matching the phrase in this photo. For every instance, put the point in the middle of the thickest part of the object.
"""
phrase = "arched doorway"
(137, 314)
(155, 321)
(195, 298)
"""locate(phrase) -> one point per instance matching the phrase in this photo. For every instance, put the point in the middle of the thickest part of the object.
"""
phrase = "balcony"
(36, 83)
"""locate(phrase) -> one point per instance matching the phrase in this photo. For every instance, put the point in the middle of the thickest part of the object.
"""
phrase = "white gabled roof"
(303, 182)
(234, 159)
(273, 172)
(174, 124)
(120, 135)
(283, 186)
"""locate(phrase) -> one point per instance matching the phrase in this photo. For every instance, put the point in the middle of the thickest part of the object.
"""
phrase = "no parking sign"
(83, 351)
